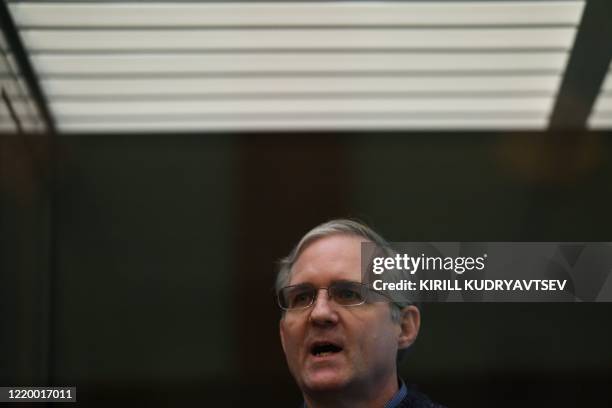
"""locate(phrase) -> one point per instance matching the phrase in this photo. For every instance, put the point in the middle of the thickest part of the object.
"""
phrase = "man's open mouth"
(324, 349)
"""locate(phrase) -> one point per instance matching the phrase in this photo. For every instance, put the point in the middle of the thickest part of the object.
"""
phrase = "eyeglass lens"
(342, 293)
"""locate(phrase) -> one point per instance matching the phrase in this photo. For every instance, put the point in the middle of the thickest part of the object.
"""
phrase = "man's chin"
(325, 380)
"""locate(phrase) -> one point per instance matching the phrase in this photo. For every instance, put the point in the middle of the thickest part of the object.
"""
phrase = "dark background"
(140, 268)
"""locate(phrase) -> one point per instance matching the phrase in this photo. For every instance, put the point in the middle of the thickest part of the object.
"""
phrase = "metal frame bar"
(586, 69)
(49, 174)
(25, 66)
(12, 112)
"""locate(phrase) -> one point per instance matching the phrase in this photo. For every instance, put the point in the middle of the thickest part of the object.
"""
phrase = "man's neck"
(372, 396)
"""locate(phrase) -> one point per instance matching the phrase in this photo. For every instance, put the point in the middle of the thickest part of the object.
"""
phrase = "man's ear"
(410, 322)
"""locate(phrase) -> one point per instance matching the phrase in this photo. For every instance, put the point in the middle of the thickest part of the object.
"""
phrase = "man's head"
(338, 344)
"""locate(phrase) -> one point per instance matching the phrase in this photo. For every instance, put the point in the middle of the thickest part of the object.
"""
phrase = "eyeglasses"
(343, 293)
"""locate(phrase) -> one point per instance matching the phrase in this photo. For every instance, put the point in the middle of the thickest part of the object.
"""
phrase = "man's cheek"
(292, 350)
(287, 332)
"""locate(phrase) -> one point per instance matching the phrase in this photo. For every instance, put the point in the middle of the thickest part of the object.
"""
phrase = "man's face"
(364, 339)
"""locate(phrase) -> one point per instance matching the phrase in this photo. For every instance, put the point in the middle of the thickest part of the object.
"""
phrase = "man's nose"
(323, 310)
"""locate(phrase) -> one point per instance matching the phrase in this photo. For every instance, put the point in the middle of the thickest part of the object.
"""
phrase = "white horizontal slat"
(607, 85)
(10, 87)
(5, 68)
(203, 86)
(600, 123)
(601, 115)
(306, 13)
(3, 42)
(270, 62)
(600, 120)
(9, 67)
(4, 112)
(25, 114)
(603, 103)
(301, 105)
(14, 86)
(21, 107)
(29, 126)
(319, 124)
(295, 39)
(7, 126)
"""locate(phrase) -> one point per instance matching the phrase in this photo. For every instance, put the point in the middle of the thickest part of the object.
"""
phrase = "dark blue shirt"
(397, 398)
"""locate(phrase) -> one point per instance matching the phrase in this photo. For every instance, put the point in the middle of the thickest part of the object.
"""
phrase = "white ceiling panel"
(344, 105)
(297, 39)
(280, 124)
(187, 87)
(142, 14)
(289, 62)
(116, 64)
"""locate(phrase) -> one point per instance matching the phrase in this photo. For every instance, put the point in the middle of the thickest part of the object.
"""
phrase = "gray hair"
(333, 227)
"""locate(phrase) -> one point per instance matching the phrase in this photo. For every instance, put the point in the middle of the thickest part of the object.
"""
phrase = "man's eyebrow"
(344, 281)
(333, 282)
(301, 284)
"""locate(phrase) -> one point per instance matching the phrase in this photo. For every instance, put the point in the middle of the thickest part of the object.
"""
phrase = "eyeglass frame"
(317, 290)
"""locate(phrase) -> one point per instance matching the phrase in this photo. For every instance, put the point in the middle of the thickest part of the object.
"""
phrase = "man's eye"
(347, 294)
(300, 299)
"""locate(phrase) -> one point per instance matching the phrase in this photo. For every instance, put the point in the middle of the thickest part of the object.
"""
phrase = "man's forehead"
(334, 257)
